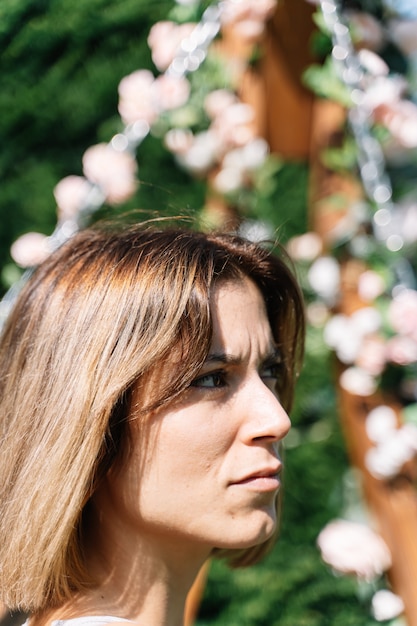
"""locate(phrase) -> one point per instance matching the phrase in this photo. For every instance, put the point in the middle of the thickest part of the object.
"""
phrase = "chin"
(252, 535)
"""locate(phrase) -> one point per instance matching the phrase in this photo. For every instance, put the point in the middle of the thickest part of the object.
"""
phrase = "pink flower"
(202, 154)
(370, 285)
(234, 125)
(358, 382)
(247, 18)
(114, 172)
(71, 195)
(245, 160)
(386, 605)
(381, 423)
(372, 355)
(366, 30)
(324, 277)
(218, 100)
(136, 101)
(141, 97)
(402, 312)
(386, 460)
(400, 118)
(228, 180)
(235, 11)
(317, 314)
(30, 249)
(341, 335)
(254, 154)
(373, 63)
(352, 548)
(306, 247)
(402, 350)
(348, 334)
(384, 90)
(170, 92)
(164, 41)
(179, 140)
(404, 34)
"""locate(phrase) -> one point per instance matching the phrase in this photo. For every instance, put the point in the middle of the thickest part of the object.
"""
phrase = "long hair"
(95, 319)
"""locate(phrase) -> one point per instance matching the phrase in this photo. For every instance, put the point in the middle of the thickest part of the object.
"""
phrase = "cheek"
(189, 441)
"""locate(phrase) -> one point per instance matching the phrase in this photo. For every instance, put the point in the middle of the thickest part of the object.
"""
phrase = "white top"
(94, 620)
(88, 620)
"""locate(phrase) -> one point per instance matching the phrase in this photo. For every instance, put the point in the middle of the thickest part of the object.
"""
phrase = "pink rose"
(240, 10)
(404, 34)
(228, 180)
(372, 355)
(247, 18)
(401, 350)
(170, 92)
(114, 172)
(202, 154)
(71, 195)
(136, 101)
(386, 605)
(352, 548)
(306, 247)
(370, 285)
(30, 249)
(164, 41)
(324, 278)
(381, 423)
(317, 314)
(234, 125)
(384, 91)
(400, 118)
(179, 140)
(358, 382)
(402, 312)
(386, 460)
(373, 63)
(218, 100)
(366, 30)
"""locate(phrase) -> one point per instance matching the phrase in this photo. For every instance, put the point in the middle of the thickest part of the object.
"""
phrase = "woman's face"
(210, 477)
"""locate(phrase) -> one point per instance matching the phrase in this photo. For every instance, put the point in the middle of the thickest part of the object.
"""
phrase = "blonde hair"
(96, 318)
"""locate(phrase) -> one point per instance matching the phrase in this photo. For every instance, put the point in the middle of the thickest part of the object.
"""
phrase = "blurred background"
(288, 120)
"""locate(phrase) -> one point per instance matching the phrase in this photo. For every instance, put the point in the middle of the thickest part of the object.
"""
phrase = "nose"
(264, 418)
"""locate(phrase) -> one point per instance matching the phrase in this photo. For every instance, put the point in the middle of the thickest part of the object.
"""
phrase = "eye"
(273, 375)
(273, 370)
(212, 380)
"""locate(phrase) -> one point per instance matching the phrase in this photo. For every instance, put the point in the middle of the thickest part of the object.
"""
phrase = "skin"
(209, 478)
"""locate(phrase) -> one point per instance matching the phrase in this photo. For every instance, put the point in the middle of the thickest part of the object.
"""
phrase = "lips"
(270, 472)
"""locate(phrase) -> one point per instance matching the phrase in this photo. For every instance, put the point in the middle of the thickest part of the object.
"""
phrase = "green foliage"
(61, 65)
(324, 81)
(343, 158)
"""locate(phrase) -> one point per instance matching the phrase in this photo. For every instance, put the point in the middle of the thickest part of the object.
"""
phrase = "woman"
(145, 378)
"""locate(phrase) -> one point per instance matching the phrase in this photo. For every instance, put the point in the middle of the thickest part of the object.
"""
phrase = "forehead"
(240, 321)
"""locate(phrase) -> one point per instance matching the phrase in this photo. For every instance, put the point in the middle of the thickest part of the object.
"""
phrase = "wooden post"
(287, 103)
(392, 504)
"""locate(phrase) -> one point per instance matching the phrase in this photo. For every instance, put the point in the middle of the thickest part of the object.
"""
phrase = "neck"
(141, 578)
(149, 588)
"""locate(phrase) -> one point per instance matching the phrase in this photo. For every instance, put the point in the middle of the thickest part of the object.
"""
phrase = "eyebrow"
(274, 356)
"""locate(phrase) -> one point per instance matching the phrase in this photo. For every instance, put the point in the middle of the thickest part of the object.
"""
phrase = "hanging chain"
(191, 53)
(371, 161)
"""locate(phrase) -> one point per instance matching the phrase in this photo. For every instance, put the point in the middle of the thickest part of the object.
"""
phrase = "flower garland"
(220, 140)
(383, 333)
(377, 343)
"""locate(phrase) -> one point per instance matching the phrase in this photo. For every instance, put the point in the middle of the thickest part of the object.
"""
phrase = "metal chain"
(191, 54)
(371, 161)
